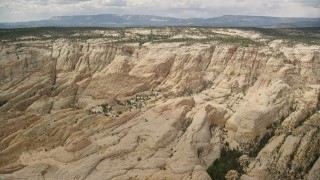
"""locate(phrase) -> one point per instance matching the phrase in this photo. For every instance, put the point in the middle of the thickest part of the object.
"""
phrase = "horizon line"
(161, 16)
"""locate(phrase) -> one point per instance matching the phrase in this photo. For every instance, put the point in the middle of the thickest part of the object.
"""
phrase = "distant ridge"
(113, 20)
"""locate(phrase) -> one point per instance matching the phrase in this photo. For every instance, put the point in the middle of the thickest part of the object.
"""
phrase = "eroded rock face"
(84, 110)
(288, 155)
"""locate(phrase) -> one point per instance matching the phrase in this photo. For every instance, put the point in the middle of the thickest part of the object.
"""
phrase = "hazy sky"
(26, 10)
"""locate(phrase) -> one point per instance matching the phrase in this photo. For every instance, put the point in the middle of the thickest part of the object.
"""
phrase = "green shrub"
(228, 161)
(262, 143)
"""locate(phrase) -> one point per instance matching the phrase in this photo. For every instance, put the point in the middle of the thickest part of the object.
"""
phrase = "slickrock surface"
(97, 110)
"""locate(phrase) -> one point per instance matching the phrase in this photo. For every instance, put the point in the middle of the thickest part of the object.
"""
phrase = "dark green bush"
(228, 161)
(262, 143)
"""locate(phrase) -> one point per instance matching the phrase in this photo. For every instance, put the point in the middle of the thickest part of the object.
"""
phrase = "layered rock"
(94, 110)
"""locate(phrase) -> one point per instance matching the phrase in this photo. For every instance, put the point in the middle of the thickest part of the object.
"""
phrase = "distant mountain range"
(112, 20)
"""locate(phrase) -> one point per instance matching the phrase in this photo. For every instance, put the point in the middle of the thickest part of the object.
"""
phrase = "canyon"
(130, 105)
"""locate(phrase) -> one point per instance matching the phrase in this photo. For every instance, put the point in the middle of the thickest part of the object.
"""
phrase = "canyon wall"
(95, 110)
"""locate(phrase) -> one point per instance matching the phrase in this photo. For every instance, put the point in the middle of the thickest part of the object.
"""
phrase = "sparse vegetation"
(53, 33)
(185, 35)
(3, 103)
(228, 161)
(118, 107)
(187, 123)
(291, 36)
(262, 143)
(310, 113)
(212, 75)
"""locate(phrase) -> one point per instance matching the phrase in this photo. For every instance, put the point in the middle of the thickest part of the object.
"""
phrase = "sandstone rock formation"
(95, 110)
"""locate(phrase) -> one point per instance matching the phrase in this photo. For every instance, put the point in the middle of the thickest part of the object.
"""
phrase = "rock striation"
(96, 110)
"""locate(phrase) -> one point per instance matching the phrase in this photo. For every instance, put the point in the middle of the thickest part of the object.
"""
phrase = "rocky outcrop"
(291, 154)
(91, 110)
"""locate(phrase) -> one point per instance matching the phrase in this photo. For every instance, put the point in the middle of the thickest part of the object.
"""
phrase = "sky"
(29, 10)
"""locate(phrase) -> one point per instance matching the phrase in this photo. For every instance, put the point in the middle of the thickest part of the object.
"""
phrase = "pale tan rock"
(232, 175)
(92, 109)
(78, 143)
(314, 172)
(31, 172)
(42, 106)
(286, 151)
